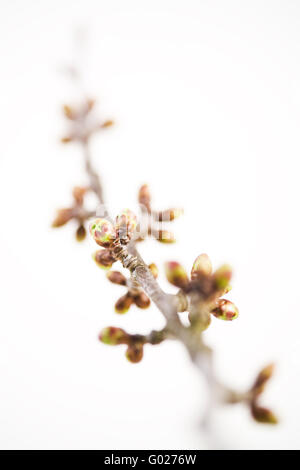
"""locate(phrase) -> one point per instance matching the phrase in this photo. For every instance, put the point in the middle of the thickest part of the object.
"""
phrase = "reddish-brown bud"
(80, 233)
(103, 258)
(263, 415)
(62, 217)
(103, 232)
(225, 310)
(154, 270)
(144, 196)
(135, 352)
(176, 274)
(113, 336)
(123, 304)
(263, 377)
(116, 278)
(201, 267)
(141, 300)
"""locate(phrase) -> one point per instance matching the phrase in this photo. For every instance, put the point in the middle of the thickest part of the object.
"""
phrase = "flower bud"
(126, 223)
(263, 415)
(103, 232)
(176, 274)
(141, 300)
(144, 196)
(123, 304)
(164, 236)
(167, 216)
(116, 278)
(80, 233)
(78, 194)
(202, 266)
(103, 258)
(112, 336)
(154, 270)
(222, 276)
(62, 217)
(69, 112)
(107, 123)
(225, 310)
(135, 352)
(263, 377)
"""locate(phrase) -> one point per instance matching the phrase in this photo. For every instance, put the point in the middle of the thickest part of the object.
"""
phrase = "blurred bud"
(112, 336)
(263, 377)
(126, 223)
(103, 232)
(263, 415)
(225, 310)
(154, 270)
(167, 216)
(135, 352)
(123, 304)
(66, 139)
(116, 278)
(62, 217)
(80, 233)
(141, 300)
(78, 194)
(69, 112)
(202, 266)
(107, 123)
(164, 236)
(176, 274)
(222, 276)
(90, 104)
(103, 258)
(144, 196)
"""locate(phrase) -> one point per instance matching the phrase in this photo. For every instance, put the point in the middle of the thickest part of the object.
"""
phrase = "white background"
(206, 97)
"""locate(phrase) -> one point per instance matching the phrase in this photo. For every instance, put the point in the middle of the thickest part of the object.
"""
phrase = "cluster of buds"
(156, 218)
(134, 295)
(203, 290)
(114, 336)
(76, 212)
(106, 234)
(259, 413)
(83, 124)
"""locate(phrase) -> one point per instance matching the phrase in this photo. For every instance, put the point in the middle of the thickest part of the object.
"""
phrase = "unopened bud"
(144, 196)
(176, 274)
(69, 112)
(263, 415)
(112, 336)
(202, 266)
(263, 377)
(123, 304)
(135, 352)
(222, 276)
(107, 123)
(80, 233)
(103, 232)
(62, 217)
(141, 300)
(116, 278)
(225, 310)
(103, 258)
(78, 194)
(154, 270)
(164, 236)
(126, 223)
(167, 216)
